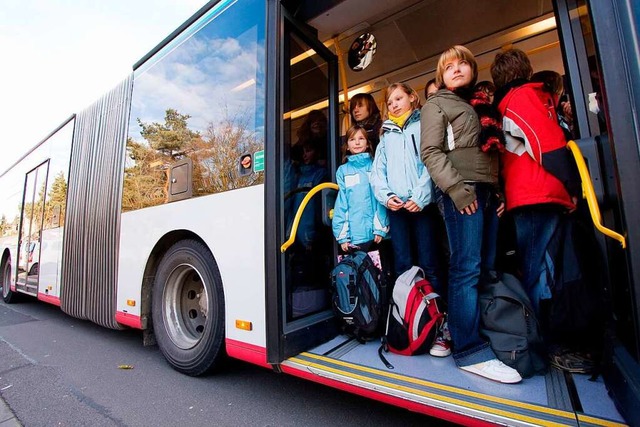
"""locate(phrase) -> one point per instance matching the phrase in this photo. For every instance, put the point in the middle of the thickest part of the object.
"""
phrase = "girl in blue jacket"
(358, 218)
(402, 183)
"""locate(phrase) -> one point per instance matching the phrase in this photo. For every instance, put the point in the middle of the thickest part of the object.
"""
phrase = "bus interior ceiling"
(410, 36)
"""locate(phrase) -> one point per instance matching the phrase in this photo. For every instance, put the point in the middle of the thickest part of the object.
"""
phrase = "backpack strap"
(384, 346)
(366, 265)
(437, 317)
(434, 312)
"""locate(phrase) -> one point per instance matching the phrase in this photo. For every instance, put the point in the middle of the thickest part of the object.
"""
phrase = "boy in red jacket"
(539, 176)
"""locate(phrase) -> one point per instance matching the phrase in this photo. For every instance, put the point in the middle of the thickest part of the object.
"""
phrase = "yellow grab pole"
(303, 204)
(589, 194)
(343, 77)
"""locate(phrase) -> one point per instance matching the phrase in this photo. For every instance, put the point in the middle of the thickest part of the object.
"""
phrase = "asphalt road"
(59, 371)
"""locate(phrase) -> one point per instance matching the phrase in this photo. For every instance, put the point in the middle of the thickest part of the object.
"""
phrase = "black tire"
(188, 309)
(8, 295)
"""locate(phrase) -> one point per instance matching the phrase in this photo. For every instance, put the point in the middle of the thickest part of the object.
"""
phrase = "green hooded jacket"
(449, 147)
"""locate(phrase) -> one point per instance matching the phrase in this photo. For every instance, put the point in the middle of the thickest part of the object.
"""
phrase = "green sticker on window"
(258, 161)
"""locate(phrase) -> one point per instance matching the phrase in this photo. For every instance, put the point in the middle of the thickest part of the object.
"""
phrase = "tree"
(215, 158)
(173, 137)
(226, 142)
(3, 225)
(144, 181)
(56, 202)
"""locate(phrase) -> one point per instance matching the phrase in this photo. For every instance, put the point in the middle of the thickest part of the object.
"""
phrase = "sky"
(57, 57)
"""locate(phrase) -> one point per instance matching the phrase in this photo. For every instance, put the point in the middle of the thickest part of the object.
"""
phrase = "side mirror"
(245, 165)
(361, 52)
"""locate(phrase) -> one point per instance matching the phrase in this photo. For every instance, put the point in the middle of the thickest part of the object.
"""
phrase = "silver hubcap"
(185, 306)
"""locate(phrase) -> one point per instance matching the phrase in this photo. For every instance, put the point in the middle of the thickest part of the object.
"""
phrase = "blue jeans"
(413, 239)
(535, 227)
(472, 243)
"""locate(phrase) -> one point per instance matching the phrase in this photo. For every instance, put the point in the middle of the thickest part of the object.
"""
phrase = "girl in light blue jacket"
(402, 183)
(358, 218)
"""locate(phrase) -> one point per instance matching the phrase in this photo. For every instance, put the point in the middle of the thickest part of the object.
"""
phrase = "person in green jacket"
(466, 178)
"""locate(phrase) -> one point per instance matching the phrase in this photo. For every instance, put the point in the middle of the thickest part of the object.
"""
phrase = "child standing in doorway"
(402, 183)
(358, 218)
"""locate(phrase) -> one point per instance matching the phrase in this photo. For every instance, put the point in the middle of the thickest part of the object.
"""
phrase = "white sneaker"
(494, 370)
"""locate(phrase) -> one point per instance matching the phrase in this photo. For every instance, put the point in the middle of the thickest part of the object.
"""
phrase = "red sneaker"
(440, 347)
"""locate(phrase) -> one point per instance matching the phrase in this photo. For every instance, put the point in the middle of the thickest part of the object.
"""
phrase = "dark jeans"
(414, 242)
(535, 227)
(472, 244)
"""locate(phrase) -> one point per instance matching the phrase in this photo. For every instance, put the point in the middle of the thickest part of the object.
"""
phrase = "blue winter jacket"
(357, 215)
(309, 177)
(397, 167)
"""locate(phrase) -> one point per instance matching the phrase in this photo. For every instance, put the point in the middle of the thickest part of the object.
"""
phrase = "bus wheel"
(7, 295)
(188, 309)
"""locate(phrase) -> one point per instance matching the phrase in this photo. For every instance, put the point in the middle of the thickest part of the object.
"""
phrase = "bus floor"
(555, 398)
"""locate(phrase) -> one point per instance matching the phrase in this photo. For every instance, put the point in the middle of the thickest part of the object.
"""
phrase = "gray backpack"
(509, 322)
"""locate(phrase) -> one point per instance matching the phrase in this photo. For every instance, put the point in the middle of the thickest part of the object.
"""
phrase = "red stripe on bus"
(49, 299)
(128, 319)
(247, 352)
(392, 400)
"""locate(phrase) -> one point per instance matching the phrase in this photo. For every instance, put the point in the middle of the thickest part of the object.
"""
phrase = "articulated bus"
(165, 206)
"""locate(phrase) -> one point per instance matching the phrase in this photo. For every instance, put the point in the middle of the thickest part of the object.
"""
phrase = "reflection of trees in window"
(171, 139)
(38, 211)
(54, 208)
(4, 225)
(215, 156)
(13, 225)
(32, 219)
(54, 211)
(11, 218)
(225, 143)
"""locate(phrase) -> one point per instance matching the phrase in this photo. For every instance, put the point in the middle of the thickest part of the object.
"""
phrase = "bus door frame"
(40, 175)
(615, 26)
(286, 339)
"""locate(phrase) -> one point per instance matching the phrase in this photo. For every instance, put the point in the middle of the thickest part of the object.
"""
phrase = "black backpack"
(357, 295)
(509, 322)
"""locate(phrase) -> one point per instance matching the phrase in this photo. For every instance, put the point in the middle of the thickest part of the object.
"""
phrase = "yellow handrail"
(589, 194)
(303, 204)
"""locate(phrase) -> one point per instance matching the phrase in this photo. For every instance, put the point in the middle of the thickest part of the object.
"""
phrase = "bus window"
(306, 164)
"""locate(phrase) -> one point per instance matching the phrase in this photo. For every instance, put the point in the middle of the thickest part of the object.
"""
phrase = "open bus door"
(601, 55)
(302, 99)
(427, 384)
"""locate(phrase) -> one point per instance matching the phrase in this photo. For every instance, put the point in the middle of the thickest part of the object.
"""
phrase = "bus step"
(31, 289)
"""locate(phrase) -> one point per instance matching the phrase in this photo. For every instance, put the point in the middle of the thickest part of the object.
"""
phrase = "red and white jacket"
(536, 165)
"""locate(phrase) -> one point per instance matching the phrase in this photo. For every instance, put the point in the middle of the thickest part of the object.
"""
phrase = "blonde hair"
(456, 52)
(406, 89)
